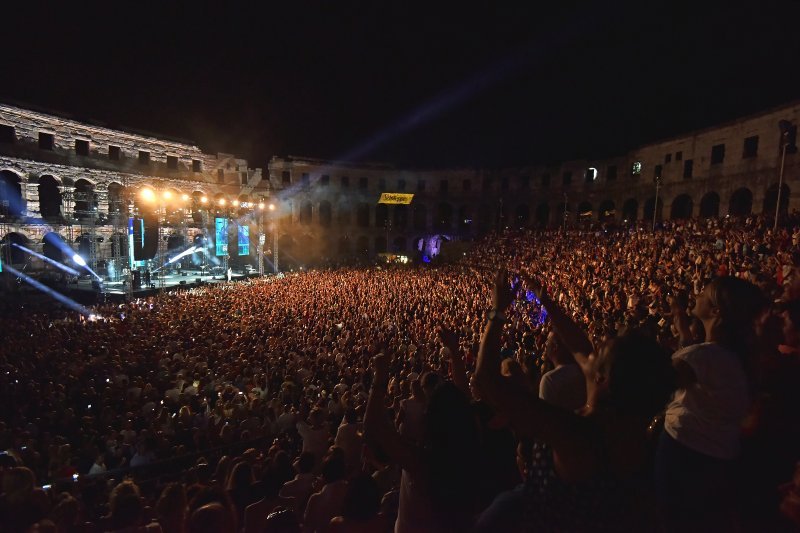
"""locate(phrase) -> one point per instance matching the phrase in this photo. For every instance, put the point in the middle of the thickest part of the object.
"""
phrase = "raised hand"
(503, 293)
(380, 365)
(534, 285)
(449, 338)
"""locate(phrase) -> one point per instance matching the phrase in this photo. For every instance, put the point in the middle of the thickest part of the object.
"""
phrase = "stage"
(89, 290)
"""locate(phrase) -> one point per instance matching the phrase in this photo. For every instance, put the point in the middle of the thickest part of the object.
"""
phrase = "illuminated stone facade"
(331, 208)
(74, 178)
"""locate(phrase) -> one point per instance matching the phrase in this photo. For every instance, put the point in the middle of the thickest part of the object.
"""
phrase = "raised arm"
(528, 415)
(458, 371)
(569, 332)
(378, 430)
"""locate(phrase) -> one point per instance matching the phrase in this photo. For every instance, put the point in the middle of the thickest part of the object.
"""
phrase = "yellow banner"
(395, 198)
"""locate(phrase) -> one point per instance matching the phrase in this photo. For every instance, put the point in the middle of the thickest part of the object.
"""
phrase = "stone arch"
(325, 214)
(682, 207)
(10, 253)
(522, 215)
(85, 205)
(343, 216)
(630, 209)
(49, 198)
(381, 215)
(306, 212)
(543, 214)
(741, 202)
(607, 211)
(771, 198)
(444, 217)
(12, 202)
(709, 205)
(116, 199)
(420, 217)
(652, 207)
(54, 247)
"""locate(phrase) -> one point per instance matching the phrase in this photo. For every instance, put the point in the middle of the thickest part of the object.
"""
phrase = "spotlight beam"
(72, 304)
(82, 262)
(46, 259)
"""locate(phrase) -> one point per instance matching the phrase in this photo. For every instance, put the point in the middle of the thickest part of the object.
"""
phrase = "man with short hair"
(565, 385)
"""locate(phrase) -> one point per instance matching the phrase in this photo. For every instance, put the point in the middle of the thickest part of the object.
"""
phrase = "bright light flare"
(272, 207)
(79, 260)
(221, 201)
(261, 206)
(236, 203)
(148, 195)
(204, 200)
(191, 250)
(167, 195)
(185, 197)
(46, 259)
(47, 290)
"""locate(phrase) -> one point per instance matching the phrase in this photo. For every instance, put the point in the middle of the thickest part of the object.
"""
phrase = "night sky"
(419, 84)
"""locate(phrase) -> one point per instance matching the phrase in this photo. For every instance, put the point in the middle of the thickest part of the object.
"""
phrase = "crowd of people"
(605, 379)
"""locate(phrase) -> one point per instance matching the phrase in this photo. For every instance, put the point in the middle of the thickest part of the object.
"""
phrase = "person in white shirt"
(349, 440)
(315, 436)
(702, 426)
(565, 385)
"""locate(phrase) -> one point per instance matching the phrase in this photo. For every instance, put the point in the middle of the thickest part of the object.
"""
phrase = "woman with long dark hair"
(438, 483)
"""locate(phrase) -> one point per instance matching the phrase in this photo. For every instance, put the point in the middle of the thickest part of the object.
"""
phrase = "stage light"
(272, 207)
(148, 195)
(204, 200)
(236, 203)
(167, 195)
(221, 201)
(79, 260)
(185, 197)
